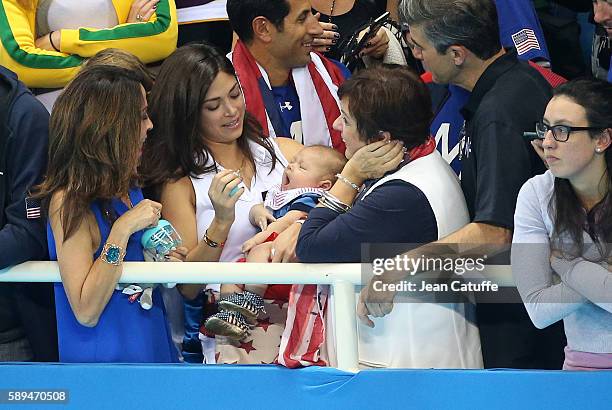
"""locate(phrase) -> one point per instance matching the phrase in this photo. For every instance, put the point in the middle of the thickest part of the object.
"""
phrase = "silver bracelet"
(347, 182)
(331, 206)
(338, 203)
(333, 203)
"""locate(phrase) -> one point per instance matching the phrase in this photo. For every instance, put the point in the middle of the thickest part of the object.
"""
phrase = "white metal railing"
(342, 277)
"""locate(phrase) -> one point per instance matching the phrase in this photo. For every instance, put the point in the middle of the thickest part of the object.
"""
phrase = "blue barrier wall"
(145, 387)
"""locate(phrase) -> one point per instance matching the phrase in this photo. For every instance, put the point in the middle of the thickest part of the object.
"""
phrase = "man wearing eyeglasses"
(458, 42)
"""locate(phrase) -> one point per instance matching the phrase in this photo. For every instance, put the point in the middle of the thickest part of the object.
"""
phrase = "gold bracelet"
(212, 243)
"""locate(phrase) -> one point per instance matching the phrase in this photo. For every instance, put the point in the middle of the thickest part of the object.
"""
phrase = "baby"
(312, 171)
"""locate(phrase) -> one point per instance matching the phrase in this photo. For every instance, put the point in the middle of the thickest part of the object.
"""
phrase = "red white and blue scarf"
(316, 85)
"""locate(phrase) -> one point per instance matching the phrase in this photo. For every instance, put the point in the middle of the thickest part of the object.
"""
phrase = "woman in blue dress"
(96, 218)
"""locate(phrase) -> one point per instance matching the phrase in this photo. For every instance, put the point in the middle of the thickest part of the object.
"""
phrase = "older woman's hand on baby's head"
(374, 160)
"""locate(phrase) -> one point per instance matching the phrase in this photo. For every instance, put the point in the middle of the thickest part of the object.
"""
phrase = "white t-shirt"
(53, 15)
(241, 229)
(213, 11)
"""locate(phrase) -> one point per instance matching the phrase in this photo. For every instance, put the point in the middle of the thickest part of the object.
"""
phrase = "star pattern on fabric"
(247, 346)
(264, 323)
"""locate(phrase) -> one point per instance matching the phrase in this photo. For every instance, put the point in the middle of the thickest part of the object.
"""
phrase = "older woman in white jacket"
(419, 202)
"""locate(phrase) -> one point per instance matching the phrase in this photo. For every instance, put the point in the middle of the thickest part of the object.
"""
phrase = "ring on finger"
(233, 191)
(272, 252)
(158, 212)
(138, 17)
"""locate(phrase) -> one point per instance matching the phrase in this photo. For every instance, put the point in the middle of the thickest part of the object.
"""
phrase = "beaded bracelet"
(212, 243)
(347, 182)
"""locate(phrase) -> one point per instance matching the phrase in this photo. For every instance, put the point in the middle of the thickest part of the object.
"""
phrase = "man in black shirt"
(458, 42)
(508, 99)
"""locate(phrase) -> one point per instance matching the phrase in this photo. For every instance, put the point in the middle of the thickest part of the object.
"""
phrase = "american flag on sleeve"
(32, 207)
(525, 41)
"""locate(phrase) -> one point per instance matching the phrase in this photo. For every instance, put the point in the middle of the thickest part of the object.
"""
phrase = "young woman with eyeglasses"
(563, 225)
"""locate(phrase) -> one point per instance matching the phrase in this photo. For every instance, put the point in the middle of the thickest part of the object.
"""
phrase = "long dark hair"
(94, 142)
(175, 147)
(569, 218)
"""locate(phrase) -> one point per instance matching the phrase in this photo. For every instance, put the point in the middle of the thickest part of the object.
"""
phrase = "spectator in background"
(458, 41)
(560, 20)
(96, 218)
(602, 14)
(519, 28)
(344, 17)
(47, 40)
(27, 314)
(200, 21)
(289, 89)
(563, 225)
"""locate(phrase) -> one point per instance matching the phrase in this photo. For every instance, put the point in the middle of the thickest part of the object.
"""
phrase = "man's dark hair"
(469, 23)
(241, 14)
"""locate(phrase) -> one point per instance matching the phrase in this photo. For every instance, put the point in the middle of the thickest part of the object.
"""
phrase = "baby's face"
(305, 171)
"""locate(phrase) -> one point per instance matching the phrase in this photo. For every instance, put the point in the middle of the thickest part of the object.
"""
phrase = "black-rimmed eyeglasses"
(561, 133)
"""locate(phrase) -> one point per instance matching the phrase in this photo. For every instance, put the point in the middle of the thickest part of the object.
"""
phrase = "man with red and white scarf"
(288, 87)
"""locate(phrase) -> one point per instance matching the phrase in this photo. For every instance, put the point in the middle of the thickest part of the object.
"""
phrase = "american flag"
(525, 40)
(32, 207)
(304, 332)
